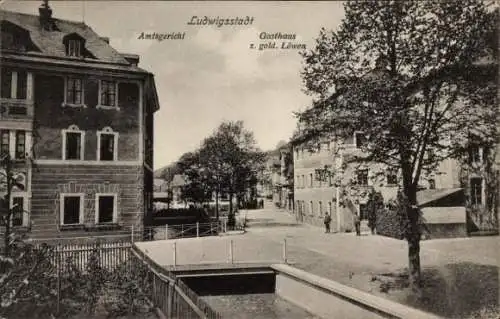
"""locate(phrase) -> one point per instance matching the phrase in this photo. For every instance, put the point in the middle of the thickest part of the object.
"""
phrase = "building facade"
(77, 116)
(466, 187)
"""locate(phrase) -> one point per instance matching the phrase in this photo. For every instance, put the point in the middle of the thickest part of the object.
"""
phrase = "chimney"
(105, 39)
(45, 15)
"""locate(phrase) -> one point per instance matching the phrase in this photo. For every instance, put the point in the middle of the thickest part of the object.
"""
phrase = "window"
(330, 208)
(392, 178)
(107, 145)
(474, 154)
(311, 180)
(73, 143)
(17, 211)
(5, 142)
(432, 183)
(359, 139)
(22, 85)
(14, 84)
(74, 48)
(363, 214)
(320, 208)
(476, 191)
(108, 93)
(362, 177)
(74, 90)
(311, 208)
(20, 145)
(106, 208)
(6, 83)
(71, 209)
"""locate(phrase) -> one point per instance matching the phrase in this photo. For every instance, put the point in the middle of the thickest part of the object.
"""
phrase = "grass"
(458, 290)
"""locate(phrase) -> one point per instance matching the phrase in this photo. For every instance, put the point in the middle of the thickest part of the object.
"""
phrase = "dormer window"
(74, 48)
(75, 45)
(7, 40)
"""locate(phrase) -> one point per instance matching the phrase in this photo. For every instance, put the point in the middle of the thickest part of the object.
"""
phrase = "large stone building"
(77, 116)
(460, 196)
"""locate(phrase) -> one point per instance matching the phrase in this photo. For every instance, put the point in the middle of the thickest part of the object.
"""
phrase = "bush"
(388, 224)
(124, 294)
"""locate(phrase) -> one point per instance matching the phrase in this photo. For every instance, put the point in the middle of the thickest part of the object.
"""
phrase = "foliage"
(388, 223)
(27, 287)
(124, 294)
(199, 185)
(417, 78)
(95, 278)
(228, 161)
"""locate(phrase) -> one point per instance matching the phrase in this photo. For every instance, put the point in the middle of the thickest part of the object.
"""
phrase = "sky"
(211, 75)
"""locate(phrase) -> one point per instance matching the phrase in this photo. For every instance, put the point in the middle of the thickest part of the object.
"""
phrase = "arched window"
(107, 145)
(73, 140)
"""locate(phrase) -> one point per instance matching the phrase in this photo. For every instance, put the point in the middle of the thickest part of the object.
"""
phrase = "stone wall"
(49, 181)
(50, 118)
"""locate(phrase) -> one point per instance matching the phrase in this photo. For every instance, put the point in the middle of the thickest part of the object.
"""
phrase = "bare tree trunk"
(217, 204)
(230, 203)
(8, 217)
(413, 235)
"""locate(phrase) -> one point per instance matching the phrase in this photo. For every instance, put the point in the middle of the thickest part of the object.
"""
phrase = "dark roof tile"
(51, 42)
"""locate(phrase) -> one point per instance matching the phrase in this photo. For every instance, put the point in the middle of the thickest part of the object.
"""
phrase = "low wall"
(326, 298)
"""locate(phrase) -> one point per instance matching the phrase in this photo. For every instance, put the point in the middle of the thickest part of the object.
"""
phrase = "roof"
(158, 182)
(50, 43)
(444, 215)
(427, 196)
(178, 180)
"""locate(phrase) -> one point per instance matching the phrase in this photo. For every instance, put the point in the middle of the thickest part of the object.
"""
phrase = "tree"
(418, 78)
(8, 212)
(199, 184)
(232, 158)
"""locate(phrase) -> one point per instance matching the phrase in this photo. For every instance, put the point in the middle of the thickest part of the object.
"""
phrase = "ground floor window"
(71, 209)
(105, 208)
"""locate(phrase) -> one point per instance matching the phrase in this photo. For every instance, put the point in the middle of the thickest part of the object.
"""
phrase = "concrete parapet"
(325, 298)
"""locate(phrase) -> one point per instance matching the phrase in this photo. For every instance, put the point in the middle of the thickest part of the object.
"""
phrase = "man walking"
(327, 222)
(357, 224)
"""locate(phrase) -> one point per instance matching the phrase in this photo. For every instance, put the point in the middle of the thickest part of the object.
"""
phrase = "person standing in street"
(357, 224)
(327, 222)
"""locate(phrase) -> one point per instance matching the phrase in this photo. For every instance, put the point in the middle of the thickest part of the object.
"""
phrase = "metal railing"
(182, 231)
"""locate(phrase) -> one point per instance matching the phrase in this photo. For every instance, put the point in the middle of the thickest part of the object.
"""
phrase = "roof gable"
(51, 42)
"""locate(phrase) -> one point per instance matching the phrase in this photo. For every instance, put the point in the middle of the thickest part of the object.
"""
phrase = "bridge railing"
(169, 294)
(180, 231)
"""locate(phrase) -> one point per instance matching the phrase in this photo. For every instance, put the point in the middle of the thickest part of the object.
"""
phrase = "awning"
(427, 196)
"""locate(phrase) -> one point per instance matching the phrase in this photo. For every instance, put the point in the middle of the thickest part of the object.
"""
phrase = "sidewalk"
(455, 270)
